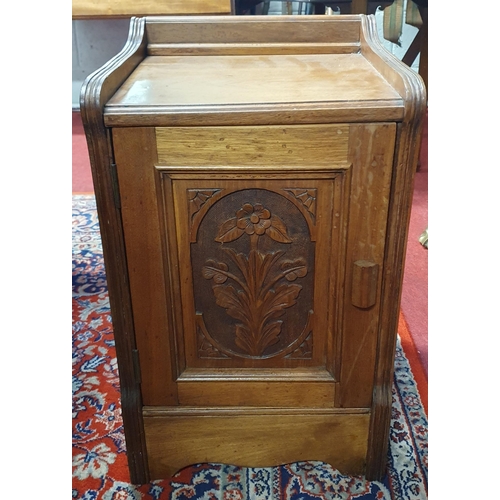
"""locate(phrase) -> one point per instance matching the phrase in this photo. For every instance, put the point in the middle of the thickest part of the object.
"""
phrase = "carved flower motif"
(253, 219)
(258, 295)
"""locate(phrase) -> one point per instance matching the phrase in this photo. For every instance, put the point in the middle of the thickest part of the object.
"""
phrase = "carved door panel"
(250, 251)
(256, 287)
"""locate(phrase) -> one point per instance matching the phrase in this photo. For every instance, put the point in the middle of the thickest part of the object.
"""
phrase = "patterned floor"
(99, 452)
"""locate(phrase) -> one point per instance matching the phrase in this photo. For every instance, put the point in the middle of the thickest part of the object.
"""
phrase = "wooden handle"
(364, 283)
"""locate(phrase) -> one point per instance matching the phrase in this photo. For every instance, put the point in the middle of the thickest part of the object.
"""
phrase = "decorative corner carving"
(206, 350)
(197, 198)
(304, 351)
(262, 289)
(307, 197)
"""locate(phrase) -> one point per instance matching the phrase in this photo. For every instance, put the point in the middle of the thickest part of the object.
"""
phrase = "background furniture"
(243, 7)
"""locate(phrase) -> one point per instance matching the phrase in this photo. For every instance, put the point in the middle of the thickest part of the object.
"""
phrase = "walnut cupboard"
(253, 178)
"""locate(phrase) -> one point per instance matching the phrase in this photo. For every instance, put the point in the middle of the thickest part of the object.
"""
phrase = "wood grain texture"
(251, 29)
(256, 114)
(364, 283)
(314, 146)
(140, 190)
(219, 411)
(231, 49)
(256, 440)
(298, 374)
(403, 79)
(252, 79)
(96, 90)
(257, 394)
(95, 9)
(261, 85)
(257, 89)
(371, 154)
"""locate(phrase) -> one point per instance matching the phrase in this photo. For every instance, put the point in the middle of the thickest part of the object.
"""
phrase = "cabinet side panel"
(411, 87)
(371, 153)
(135, 156)
(96, 91)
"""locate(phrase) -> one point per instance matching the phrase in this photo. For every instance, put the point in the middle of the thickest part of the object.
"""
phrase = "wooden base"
(254, 438)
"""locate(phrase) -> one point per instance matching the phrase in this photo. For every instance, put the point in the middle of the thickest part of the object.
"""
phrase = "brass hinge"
(137, 366)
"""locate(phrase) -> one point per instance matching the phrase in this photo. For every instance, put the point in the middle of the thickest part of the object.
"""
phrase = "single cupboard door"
(256, 277)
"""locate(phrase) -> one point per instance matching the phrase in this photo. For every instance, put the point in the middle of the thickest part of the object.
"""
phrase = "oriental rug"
(99, 450)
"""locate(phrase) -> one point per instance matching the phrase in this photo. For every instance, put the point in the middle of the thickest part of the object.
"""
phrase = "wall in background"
(96, 41)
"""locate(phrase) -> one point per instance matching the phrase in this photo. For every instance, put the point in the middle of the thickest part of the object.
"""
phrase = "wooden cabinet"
(253, 178)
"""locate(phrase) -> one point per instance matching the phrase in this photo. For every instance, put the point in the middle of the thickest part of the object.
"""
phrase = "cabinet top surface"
(189, 83)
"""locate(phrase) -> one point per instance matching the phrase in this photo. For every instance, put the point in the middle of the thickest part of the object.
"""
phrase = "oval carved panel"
(253, 270)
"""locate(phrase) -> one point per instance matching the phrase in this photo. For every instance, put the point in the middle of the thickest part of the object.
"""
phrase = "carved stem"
(254, 240)
(282, 274)
(230, 276)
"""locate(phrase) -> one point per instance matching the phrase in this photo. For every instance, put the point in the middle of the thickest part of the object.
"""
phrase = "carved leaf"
(229, 231)
(265, 264)
(278, 231)
(256, 346)
(228, 298)
(296, 269)
(240, 260)
(211, 270)
(277, 300)
(270, 335)
(244, 340)
(256, 299)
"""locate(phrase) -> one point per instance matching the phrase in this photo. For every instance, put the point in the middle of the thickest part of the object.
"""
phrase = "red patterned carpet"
(99, 459)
